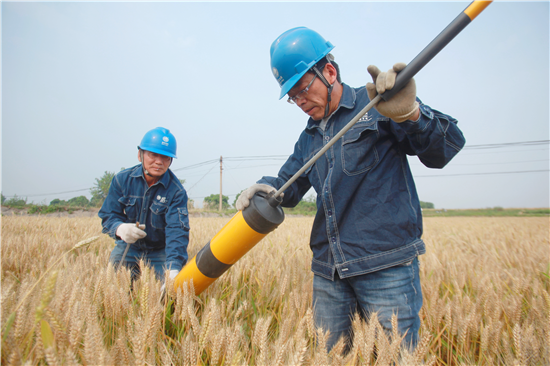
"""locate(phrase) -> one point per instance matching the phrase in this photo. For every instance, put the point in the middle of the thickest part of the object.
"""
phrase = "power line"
(488, 173)
(236, 158)
(252, 166)
(489, 151)
(508, 162)
(200, 179)
(284, 157)
(266, 157)
(49, 194)
(196, 165)
(507, 144)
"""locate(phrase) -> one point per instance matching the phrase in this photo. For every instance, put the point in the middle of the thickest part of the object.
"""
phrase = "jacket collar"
(138, 172)
(346, 101)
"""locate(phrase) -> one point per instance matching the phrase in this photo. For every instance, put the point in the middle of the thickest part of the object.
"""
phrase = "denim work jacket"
(368, 212)
(161, 207)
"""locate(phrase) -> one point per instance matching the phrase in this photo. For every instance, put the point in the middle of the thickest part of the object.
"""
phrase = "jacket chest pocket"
(158, 216)
(130, 208)
(358, 149)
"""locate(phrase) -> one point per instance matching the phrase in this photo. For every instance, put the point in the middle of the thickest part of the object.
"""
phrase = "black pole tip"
(274, 201)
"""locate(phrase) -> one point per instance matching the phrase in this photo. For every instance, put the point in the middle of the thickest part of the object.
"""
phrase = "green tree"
(307, 206)
(15, 202)
(101, 188)
(57, 202)
(3, 198)
(80, 201)
(213, 202)
(426, 205)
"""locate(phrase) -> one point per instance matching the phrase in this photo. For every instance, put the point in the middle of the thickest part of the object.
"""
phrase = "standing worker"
(366, 236)
(151, 195)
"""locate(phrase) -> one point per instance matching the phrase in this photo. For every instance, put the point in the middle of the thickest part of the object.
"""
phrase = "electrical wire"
(488, 173)
(188, 190)
(284, 157)
(507, 144)
(48, 194)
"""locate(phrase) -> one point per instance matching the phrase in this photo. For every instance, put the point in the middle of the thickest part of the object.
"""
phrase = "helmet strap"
(329, 89)
(143, 163)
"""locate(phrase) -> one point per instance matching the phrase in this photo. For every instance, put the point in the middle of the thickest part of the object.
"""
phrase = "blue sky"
(83, 81)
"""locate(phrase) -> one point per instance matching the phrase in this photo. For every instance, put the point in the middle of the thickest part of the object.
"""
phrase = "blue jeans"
(154, 258)
(388, 291)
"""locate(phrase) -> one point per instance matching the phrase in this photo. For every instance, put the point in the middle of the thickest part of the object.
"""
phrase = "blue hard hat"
(295, 52)
(159, 140)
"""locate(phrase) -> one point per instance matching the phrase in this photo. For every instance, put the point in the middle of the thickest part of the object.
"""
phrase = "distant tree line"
(99, 193)
(307, 206)
(426, 204)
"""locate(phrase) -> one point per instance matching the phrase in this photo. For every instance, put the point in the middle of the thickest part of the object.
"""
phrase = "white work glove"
(246, 196)
(403, 105)
(130, 233)
(173, 273)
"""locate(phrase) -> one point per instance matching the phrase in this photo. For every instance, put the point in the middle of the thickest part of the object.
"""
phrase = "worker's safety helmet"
(294, 53)
(159, 140)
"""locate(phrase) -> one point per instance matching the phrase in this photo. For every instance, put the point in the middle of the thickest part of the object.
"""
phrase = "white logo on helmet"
(275, 72)
(165, 139)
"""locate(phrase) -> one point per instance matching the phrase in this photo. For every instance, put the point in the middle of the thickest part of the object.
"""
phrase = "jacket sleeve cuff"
(424, 119)
(174, 265)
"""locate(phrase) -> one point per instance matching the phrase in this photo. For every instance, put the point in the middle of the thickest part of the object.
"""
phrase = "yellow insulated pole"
(233, 241)
(264, 215)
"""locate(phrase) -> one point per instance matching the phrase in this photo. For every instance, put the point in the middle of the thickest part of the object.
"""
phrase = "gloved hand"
(173, 273)
(130, 233)
(403, 105)
(246, 196)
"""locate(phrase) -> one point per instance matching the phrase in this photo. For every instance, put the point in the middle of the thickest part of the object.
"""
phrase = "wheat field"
(485, 282)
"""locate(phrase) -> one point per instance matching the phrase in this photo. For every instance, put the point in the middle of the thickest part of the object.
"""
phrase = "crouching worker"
(146, 210)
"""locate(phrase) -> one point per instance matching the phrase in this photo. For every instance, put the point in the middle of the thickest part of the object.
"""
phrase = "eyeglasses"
(302, 94)
(155, 156)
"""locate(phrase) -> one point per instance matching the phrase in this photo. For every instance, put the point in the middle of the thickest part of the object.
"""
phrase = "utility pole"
(220, 209)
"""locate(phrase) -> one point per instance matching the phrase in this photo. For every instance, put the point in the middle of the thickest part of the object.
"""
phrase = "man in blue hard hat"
(146, 210)
(366, 236)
